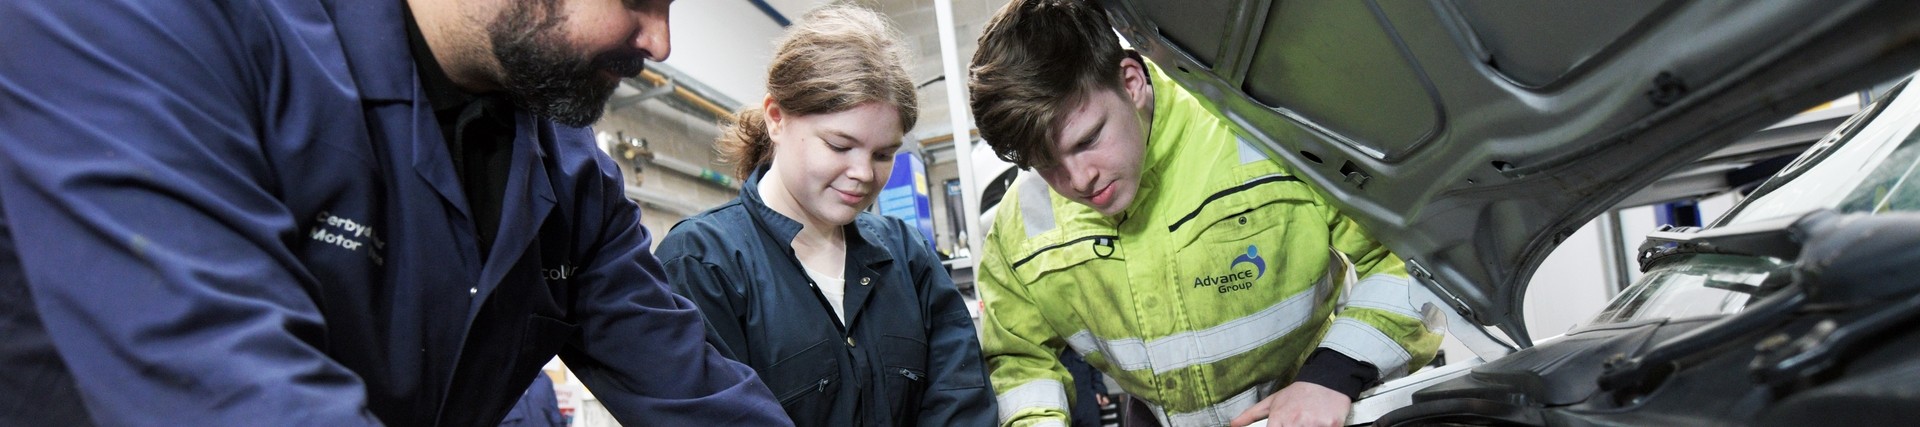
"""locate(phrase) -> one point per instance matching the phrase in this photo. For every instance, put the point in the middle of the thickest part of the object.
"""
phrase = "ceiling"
(725, 44)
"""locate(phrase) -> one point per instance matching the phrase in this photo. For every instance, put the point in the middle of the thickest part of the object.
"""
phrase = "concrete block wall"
(670, 133)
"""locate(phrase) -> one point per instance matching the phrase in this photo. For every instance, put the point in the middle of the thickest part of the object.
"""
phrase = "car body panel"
(1471, 137)
(1793, 307)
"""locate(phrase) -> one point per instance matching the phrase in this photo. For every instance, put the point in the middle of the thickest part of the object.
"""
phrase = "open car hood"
(1471, 137)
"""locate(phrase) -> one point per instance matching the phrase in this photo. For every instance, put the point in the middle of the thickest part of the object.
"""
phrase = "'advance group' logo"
(1236, 279)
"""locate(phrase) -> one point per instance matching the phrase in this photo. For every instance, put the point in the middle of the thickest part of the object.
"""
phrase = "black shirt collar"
(479, 133)
(442, 94)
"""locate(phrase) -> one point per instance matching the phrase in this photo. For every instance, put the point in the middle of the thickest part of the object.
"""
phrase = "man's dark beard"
(542, 73)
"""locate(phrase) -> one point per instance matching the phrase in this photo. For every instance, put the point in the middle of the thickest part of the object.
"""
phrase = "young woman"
(847, 316)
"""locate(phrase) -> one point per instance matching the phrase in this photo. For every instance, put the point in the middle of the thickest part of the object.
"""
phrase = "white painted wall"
(724, 43)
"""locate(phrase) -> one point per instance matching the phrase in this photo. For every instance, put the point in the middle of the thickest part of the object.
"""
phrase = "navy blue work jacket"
(906, 355)
(539, 407)
(243, 213)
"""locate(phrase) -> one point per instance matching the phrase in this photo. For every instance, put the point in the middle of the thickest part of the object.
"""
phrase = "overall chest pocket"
(1239, 255)
(807, 382)
(904, 376)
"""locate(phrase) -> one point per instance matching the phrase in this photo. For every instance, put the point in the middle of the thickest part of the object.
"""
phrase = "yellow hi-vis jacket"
(1202, 298)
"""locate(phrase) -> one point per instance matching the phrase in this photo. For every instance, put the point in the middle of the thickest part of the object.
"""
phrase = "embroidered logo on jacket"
(563, 272)
(1236, 279)
(348, 234)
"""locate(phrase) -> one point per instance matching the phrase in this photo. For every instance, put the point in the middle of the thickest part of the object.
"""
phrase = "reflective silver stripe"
(1364, 343)
(1203, 346)
(1220, 413)
(1036, 203)
(1249, 153)
(1050, 423)
(1036, 394)
(1084, 343)
(1383, 292)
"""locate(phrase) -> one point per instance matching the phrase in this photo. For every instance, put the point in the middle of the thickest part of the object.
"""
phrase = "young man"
(1205, 278)
(344, 212)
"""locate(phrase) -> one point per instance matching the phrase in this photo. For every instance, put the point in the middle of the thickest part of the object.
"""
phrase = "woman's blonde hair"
(836, 58)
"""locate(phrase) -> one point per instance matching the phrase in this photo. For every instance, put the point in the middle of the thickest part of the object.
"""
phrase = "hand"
(1300, 404)
(1102, 399)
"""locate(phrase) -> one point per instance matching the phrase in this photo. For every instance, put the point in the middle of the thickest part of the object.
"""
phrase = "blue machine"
(1678, 213)
(905, 195)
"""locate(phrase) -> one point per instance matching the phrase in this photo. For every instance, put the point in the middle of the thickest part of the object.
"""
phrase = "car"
(1794, 308)
(1471, 137)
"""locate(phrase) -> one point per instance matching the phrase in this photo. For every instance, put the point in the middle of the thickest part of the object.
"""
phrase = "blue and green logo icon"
(1252, 257)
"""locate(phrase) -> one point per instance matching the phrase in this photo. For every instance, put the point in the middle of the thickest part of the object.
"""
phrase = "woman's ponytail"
(745, 143)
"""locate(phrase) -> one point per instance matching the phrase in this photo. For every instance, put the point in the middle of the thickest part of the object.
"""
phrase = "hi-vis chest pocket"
(1063, 257)
(1236, 243)
(1240, 212)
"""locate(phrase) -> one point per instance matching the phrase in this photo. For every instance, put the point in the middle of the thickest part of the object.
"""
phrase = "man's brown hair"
(1036, 59)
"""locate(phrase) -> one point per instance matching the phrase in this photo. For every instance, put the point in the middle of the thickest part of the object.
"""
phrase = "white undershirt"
(834, 288)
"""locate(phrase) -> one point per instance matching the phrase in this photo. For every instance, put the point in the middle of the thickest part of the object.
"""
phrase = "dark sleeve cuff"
(1336, 371)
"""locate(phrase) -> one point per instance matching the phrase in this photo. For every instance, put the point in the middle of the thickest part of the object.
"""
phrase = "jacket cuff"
(1336, 371)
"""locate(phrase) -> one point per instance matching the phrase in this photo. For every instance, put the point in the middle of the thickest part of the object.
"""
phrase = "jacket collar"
(868, 261)
(863, 234)
(1161, 139)
(376, 49)
(373, 34)
(773, 224)
(380, 64)
(1167, 126)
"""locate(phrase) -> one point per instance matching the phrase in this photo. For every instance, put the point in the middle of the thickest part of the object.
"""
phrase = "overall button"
(865, 280)
(850, 342)
(473, 291)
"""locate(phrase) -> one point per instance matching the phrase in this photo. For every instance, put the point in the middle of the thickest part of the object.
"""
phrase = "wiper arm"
(1767, 238)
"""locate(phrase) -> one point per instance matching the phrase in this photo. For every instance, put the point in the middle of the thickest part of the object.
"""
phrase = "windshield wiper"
(1767, 238)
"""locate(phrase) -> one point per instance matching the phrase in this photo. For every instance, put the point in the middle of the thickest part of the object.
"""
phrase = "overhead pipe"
(697, 171)
(685, 89)
(635, 150)
(658, 90)
(771, 12)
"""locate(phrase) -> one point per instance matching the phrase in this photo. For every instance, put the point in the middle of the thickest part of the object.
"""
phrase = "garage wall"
(673, 134)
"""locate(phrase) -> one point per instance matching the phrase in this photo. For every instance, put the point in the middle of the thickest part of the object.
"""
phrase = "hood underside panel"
(1473, 136)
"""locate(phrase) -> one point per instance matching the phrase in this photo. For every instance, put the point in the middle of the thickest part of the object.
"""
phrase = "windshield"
(1871, 164)
(1868, 171)
(1695, 285)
